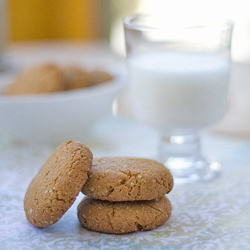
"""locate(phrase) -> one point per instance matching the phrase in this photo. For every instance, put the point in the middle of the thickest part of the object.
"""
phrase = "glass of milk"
(179, 77)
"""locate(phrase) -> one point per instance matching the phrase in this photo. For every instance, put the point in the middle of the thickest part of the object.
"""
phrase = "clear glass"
(179, 77)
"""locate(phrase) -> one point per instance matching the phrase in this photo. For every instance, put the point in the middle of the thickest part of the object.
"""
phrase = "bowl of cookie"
(53, 103)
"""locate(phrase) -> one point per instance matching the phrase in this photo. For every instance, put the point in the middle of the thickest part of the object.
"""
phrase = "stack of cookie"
(125, 195)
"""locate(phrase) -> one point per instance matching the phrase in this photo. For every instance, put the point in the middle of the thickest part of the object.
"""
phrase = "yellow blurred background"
(102, 19)
(52, 19)
(63, 19)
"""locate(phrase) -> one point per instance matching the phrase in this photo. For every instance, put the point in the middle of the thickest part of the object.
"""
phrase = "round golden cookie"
(127, 179)
(76, 77)
(44, 78)
(99, 76)
(123, 217)
(55, 187)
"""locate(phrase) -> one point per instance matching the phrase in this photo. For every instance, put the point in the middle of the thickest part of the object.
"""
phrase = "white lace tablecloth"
(213, 215)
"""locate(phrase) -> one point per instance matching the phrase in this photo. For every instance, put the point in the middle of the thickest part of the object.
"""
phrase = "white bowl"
(57, 117)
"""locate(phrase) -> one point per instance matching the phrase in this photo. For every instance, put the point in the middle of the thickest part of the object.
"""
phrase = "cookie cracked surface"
(127, 179)
(56, 185)
(123, 217)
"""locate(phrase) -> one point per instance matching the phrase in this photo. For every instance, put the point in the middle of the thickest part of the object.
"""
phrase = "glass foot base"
(181, 154)
(185, 171)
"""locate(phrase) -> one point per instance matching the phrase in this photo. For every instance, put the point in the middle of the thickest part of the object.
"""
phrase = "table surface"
(206, 215)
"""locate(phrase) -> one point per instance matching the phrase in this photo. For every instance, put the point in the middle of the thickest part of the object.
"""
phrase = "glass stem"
(181, 153)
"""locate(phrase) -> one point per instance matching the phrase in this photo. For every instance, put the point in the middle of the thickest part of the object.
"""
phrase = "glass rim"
(129, 22)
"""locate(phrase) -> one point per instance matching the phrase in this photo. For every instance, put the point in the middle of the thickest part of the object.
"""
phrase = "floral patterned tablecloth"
(212, 215)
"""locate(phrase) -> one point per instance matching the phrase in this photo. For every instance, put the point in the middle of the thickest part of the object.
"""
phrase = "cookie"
(123, 217)
(45, 78)
(99, 76)
(55, 187)
(76, 77)
(127, 179)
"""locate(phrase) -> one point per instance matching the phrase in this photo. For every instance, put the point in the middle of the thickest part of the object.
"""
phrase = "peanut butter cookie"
(99, 76)
(76, 77)
(55, 187)
(127, 179)
(44, 78)
(123, 217)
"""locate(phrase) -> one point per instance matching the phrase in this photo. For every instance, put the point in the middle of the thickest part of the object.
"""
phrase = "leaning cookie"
(127, 179)
(123, 217)
(55, 187)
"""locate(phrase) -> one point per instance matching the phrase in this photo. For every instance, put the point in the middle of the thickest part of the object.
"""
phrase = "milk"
(173, 90)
